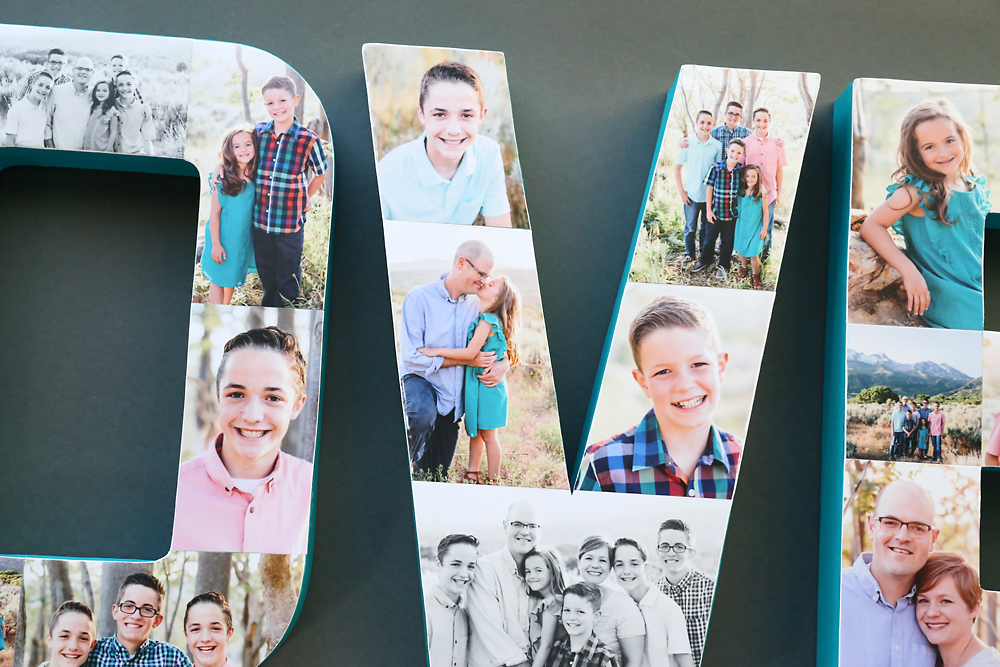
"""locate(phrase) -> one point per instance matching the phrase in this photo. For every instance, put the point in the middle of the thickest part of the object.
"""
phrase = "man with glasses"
(689, 587)
(878, 622)
(499, 606)
(69, 109)
(438, 315)
(137, 612)
(54, 66)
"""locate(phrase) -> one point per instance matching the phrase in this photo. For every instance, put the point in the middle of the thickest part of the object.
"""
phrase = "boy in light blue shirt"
(695, 160)
(898, 417)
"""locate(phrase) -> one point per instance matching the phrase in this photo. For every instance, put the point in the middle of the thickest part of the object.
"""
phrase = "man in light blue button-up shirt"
(438, 315)
(878, 622)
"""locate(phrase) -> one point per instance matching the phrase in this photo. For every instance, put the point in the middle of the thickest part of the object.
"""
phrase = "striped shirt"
(693, 594)
(637, 461)
(725, 189)
(284, 163)
(593, 654)
(109, 652)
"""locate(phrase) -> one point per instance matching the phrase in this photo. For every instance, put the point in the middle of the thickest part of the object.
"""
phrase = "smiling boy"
(581, 648)
(721, 194)
(136, 133)
(447, 618)
(689, 587)
(695, 160)
(137, 612)
(27, 117)
(676, 449)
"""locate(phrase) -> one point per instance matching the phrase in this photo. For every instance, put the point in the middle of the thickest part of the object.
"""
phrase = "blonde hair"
(910, 162)
(507, 308)
(668, 312)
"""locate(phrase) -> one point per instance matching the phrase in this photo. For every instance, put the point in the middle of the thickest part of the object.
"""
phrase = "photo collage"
(261, 142)
(923, 377)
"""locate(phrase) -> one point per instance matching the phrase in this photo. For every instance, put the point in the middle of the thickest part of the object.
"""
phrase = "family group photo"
(676, 392)
(184, 610)
(10, 607)
(79, 90)
(725, 178)
(910, 590)
(444, 136)
(478, 394)
(923, 159)
(261, 142)
(251, 411)
(543, 578)
(914, 395)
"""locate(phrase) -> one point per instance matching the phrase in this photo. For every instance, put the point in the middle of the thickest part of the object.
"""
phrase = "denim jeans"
(897, 448)
(432, 437)
(936, 442)
(727, 230)
(770, 227)
(692, 212)
(279, 265)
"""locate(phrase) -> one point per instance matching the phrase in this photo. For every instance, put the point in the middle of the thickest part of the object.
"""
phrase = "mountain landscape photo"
(923, 377)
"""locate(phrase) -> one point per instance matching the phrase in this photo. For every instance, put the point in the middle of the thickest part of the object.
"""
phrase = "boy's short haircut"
(627, 542)
(117, 55)
(46, 74)
(448, 541)
(56, 52)
(589, 592)
(122, 73)
(758, 110)
(69, 607)
(455, 72)
(282, 82)
(739, 142)
(142, 579)
(668, 312)
(734, 103)
(677, 524)
(704, 112)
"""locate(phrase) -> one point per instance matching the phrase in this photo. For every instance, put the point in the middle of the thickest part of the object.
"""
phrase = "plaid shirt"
(30, 81)
(283, 167)
(594, 654)
(110, 653)
(693, 594)
(637, 461)
(725, 189)
(725, 135)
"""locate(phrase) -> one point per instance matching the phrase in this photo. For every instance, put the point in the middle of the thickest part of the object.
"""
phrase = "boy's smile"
(451, 116)
(71, 640)
(125, 86)
(280, 105)
(675, 564)
(207, 634)
(458, 569)
(40, 91)
(134, 628)
(705, 124)
(577, 615)
(734, 153)
(629, 567)
(761, 121)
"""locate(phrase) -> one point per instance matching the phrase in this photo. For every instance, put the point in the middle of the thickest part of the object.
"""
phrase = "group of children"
(729, 178)
(913, 429)
(72, 113)
(260, 194)
(592, 622)
(72, 633)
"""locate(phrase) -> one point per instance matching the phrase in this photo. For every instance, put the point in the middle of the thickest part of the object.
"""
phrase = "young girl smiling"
(102, 128)
(543, 573)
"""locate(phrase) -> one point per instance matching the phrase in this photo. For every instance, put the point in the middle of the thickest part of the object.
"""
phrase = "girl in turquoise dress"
(494, 330)
(750, 228)
(228, 254)
(940, 207)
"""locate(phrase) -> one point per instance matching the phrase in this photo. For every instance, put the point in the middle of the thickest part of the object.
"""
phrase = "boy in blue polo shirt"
(695, 161)
(897, 419)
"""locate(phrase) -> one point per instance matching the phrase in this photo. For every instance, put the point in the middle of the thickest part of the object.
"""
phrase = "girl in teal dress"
(750, 228)
(494, 330)
(940, 207)
(228, 254)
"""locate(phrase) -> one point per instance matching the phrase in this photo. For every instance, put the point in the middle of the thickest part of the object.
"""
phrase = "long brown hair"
(507, 308)
(232, 176)
(758, 188)
(910, 162)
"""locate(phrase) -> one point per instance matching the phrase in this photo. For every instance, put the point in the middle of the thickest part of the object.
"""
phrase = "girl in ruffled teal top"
(494, 330)
(940, 208)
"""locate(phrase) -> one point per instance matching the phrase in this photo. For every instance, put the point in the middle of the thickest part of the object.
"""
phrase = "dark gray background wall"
(588, 81)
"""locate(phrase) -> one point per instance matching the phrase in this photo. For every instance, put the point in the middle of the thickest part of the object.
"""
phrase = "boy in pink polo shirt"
(768, 153)
(245, 494)
(936, 421)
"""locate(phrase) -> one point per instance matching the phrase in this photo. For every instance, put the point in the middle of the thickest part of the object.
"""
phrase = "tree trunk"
(113, 573)
(213, 573)
(279, 595)
(721, 94)
(88, 589)
(751, 100)
(991, 613)
(59, 584)
(169, 627)
(807, 98)
(38, 652)
(300, 87)
(21, 631)
(687, 112)
(243, 83)
(300, 439)
(859, 151)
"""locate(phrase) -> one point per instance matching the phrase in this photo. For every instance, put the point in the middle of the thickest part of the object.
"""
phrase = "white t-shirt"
(26, 121)
(666, 629)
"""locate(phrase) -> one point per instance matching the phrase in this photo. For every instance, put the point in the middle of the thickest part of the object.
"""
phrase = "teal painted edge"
(599, 377)
(834, 389)
(33, 157)
(993, 221)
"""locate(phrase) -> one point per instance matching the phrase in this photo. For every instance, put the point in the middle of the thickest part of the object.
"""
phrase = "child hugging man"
(581, 647)
(675, 450)
(288, 154)
(723, 183)
(696, 159)
(137, 612)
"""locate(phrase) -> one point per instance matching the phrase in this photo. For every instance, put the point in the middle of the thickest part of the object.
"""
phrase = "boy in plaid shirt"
(723, 183)
(288, 153)
(581, 647)
(689, 587)
(675, 450)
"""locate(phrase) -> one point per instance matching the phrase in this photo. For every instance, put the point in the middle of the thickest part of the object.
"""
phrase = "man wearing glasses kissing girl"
(878, 622)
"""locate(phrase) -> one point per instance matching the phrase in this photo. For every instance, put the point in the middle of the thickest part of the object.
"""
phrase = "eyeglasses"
(128, 608)
(57, 63)
(482, 274)
(892, 526)
(82, 69)
(517, 525)
(734, 114)
(676, 548)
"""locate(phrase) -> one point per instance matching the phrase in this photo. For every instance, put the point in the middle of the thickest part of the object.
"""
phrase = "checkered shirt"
(637, 461)
(593, 654)
(284, 163)
(726, 186)
(725, 135)
(693, 594)
(30, 81)
(110, 653)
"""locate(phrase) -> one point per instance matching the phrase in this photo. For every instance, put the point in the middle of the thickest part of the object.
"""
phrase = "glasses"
(734, 114)
(57, 63)
(82, 69)
(676, 548)
(892, 526)
(128, 608)
(517, 525)
(482, 274)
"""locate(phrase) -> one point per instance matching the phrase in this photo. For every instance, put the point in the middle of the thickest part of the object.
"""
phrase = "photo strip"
(205, 609)
(725, 178)
(516, 575)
